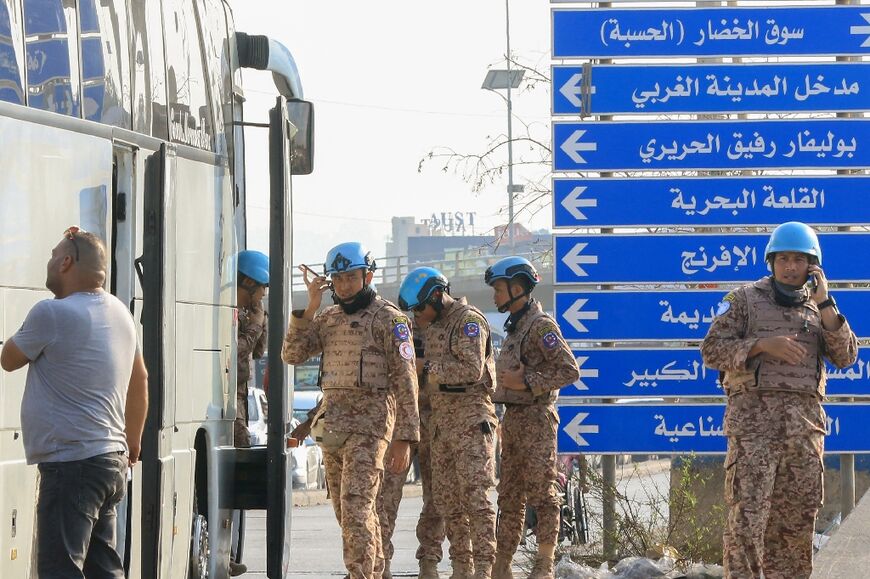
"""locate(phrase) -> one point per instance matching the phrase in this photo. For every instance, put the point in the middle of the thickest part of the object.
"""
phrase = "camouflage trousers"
(463, 471)
(353, 475)
(430, 526)
(528, 475)
(241, 436)
(773, 488)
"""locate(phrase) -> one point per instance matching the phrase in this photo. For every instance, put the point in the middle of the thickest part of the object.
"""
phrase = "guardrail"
(394, 269)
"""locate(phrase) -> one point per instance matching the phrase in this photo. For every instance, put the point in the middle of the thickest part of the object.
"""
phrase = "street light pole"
(510, 188)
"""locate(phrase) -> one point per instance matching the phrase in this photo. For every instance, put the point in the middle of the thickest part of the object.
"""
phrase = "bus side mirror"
(301, 115)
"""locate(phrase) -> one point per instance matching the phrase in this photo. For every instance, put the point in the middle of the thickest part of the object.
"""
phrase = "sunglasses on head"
(70, 234)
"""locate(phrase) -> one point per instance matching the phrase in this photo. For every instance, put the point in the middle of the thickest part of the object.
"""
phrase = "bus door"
(122, 284)
(279, 482)
(157, 270)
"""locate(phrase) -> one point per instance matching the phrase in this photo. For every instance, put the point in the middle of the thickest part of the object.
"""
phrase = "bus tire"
(199, 550)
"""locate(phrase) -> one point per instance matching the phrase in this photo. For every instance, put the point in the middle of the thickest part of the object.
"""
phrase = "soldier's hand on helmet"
(821, 282)
(512, 379)
(316, 285)
(398, 456)
(785, 348)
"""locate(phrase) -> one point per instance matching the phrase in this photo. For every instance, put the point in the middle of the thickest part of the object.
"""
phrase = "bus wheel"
(198, 545)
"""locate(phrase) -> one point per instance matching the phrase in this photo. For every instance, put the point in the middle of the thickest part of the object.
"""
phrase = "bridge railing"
(466, 263)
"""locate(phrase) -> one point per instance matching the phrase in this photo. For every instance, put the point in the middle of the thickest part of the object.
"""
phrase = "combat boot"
(428, 569)
(386, 574)
(543, 568)
(502, 567)
(462, 570)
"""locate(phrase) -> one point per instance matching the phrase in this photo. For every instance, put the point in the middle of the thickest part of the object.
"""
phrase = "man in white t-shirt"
(83, 410)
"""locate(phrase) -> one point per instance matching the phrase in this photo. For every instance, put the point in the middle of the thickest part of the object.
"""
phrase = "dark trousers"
(76, 520)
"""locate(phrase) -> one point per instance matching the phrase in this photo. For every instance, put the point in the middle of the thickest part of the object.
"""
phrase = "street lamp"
(507, 79)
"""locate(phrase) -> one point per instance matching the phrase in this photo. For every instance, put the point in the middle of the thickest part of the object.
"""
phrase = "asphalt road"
(316, 538)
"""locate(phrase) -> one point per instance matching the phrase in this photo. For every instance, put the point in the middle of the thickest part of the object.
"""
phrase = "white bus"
(125, 117)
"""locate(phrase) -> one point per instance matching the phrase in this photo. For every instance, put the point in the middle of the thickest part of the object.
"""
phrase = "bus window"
(105, 62)
(11, 71)
(189, 109)
(149, 70)
(51, 56)
(217, 62)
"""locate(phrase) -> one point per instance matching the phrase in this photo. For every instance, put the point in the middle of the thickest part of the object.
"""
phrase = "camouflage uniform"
(775, 426)
(530, 425)
(459, 381)
(369, 398)
(430, 526)
(252, 344)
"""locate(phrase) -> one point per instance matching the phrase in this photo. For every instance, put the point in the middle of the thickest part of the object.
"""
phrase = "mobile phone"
(812, 282)
(315, 274)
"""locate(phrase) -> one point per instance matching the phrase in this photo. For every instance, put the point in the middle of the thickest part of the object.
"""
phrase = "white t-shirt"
(81, 350)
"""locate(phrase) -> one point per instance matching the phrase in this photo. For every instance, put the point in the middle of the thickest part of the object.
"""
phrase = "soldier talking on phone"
(769, 341)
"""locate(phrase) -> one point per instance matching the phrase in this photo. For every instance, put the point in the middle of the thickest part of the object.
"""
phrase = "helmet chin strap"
(507, 305)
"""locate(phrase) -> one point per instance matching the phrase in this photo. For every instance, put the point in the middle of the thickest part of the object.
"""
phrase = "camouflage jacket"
(252, 342)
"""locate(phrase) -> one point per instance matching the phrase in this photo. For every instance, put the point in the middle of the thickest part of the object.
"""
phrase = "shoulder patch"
(546, 328)
(401, 331)
(471, 328)
(400, 320)
(724, 306)
(730, 297)
(406, 350)
(550, 340)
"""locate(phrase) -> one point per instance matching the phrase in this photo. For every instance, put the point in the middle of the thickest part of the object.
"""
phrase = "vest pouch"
(325, 437)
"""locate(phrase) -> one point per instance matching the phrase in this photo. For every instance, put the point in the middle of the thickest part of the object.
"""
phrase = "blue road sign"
(704, 258)
(646, 146)
(652, 315)
(706, 201)
(679, 372)
(710, 88)
(679, 429)
(694, 32)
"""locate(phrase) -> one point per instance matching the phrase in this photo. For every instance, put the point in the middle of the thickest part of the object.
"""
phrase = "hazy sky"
(390, 81)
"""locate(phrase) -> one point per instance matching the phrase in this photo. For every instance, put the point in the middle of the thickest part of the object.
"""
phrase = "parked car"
(306, 463)
(306, 460)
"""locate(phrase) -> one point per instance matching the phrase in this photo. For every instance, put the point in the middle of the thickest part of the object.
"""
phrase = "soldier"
(253, 279)
(534, 363)
(369, 395)
(430, 525)
(768, 341)
(458, 373)
(252, 283)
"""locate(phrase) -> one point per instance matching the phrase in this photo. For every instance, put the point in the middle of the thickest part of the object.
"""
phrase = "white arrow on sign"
(588, 373)
(575, 429)
(862, 30)
(574, 315)
(573, 89)
(573, 147)
(574, 260)
(573, 203)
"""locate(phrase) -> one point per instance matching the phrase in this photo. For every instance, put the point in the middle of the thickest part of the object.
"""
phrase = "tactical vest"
(511, 358)
(352, 358)
(766, 319)
(439, 341)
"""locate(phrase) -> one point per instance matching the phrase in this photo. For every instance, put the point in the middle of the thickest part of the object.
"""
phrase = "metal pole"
(847, 461)
(510, 188)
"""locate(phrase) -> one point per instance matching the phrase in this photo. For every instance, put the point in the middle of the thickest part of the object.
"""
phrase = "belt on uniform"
(455, 388)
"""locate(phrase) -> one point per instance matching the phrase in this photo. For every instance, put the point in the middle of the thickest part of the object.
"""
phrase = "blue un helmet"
(254, 265)
(348, 257)
(418, 286)
(794, 236)
(510, 267)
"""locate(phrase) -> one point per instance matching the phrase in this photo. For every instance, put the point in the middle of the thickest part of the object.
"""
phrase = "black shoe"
(237, 569)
